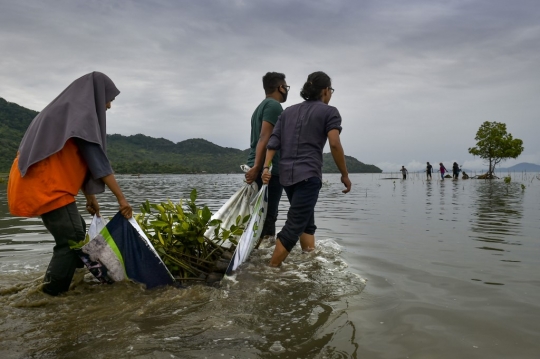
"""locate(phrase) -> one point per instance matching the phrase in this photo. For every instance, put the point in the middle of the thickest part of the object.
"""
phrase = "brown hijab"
(79, 111)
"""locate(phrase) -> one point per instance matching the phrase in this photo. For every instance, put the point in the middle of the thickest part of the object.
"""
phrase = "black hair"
(272, 80)
(316, 82)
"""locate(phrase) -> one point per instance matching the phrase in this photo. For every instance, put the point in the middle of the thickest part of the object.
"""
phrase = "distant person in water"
(263, 120)
(442, 169)
(455, 171)
(429, 169)
(301, 134)
(404, 172)
(64, 151)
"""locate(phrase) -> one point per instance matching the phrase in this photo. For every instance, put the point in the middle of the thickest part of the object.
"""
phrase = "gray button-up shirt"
(300, 134)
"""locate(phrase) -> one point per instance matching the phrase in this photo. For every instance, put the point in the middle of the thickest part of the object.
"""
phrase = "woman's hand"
(266, 175)
(347, 182)
(125, 208)
(92, 205)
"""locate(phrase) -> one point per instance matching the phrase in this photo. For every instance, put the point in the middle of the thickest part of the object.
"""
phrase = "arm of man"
(339, 158)
(266, 132)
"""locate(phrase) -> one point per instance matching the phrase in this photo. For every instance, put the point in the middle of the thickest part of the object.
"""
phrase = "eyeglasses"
(331, 90)
(286, 87)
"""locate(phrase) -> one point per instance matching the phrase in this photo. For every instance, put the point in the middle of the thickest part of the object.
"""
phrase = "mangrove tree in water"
(494, 145)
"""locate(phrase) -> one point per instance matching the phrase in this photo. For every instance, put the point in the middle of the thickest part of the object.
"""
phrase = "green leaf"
(193, 195)
(178, 230)
(161, 239)
(158, 207)
(214, 222)
(206, 214)
(238, 232)
(159, 224)
(180, 210)
(74, 245)
(146, 205)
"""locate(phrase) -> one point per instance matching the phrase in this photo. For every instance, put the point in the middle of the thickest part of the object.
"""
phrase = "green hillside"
(353, 165)
(144, 154)
(14, 121)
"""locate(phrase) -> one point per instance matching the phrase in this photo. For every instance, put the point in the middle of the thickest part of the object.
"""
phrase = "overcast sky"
(414, 79)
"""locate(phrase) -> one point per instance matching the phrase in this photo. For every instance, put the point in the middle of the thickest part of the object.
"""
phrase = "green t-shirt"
(269, 111)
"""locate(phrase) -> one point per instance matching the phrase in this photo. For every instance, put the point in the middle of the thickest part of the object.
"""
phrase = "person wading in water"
(64, 151)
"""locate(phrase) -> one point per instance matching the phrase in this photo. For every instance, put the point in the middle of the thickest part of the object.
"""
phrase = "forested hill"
(144, 154)
(14, 121)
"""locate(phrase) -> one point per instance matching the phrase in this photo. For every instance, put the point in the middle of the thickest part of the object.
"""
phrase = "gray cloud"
(414, 80)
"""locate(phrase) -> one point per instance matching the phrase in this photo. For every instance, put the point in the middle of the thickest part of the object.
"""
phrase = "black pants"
(64, 223)
(275, 190)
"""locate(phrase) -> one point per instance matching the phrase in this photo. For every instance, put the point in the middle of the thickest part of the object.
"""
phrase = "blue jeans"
(275, 190)
(303, 197)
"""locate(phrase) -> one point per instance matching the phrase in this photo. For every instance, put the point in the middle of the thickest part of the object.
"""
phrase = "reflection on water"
(498, 213)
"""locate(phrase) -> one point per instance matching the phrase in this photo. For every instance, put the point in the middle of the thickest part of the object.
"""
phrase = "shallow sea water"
(403, 269)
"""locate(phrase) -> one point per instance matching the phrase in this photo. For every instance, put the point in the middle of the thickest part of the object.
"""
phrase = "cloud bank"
(414, 80)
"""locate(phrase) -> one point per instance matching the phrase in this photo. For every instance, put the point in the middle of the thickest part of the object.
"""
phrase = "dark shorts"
(303, 197)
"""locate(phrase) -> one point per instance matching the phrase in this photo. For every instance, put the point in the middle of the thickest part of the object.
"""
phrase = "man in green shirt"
(263, 120)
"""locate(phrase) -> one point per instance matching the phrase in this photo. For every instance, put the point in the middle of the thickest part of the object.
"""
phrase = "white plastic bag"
(98, 223)
(240, 204)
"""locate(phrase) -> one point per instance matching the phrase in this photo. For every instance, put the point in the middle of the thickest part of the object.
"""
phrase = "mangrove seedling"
(176, 230)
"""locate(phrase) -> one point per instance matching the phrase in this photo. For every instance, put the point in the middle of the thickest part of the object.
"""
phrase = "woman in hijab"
(64, 151)
(300, 134)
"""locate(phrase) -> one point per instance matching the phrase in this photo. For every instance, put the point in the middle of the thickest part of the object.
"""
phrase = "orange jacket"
(49, 184)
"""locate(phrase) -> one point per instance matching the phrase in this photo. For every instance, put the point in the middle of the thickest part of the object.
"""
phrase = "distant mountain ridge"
(521, 167)
(144, 154)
